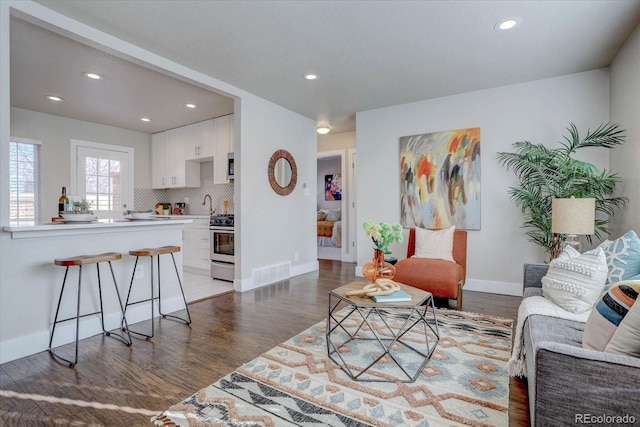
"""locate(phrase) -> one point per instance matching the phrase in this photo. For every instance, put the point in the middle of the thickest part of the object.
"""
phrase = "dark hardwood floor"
(115, 385)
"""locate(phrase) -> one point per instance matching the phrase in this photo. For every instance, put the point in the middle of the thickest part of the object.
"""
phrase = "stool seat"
(155, 251)
(88, 259)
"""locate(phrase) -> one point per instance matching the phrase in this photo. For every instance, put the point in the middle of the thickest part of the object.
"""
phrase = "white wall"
(625, 110)
(336, 141)
(274, 229)
(537, 111)
(56, 132)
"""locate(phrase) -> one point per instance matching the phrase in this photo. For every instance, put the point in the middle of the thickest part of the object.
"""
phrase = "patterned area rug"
(296, 384)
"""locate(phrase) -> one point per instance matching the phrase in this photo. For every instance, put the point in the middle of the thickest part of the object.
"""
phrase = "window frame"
(36, 180)
(127, 193)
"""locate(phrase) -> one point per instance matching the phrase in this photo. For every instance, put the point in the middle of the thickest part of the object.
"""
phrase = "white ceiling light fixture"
(507, 24)
(93, 76)
(145, 119)
(310, 76)
(323, 130)
(55, 98)
(192, 106)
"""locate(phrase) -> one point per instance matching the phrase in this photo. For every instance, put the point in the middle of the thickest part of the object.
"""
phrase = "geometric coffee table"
(374, 341)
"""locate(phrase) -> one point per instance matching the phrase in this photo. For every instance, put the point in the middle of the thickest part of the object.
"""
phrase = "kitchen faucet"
(211, 211)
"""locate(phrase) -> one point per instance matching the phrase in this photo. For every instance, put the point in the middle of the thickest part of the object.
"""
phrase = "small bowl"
(78, 216)
(140, 215)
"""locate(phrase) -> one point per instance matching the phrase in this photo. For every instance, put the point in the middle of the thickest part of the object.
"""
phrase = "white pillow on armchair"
(436, 244)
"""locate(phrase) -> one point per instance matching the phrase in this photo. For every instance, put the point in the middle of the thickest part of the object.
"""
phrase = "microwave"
(230, 168)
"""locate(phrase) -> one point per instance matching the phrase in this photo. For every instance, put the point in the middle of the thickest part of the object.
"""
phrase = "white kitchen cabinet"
(159, 160)
(195, 244)
(169, 166)
(199, 141)
(223, 137)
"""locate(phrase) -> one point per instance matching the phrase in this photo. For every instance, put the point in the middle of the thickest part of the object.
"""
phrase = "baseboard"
(478, 285)
(194, 270)
(65, 332)
(244, 285)
(493, 287)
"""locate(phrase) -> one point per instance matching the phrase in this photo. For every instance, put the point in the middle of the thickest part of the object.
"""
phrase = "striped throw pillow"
(608, 313)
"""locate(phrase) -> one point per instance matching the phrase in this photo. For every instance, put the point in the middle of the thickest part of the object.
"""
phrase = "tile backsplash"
(146, 198)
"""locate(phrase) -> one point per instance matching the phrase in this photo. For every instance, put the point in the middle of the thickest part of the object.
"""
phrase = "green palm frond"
(544, 174)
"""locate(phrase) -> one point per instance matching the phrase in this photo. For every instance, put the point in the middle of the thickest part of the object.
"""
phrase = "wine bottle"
(63, 201)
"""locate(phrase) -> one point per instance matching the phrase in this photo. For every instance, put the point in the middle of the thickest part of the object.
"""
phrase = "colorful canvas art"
(333, 187)
(440, 177)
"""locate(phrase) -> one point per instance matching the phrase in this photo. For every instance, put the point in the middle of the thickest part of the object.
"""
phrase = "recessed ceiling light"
(323, 130)
(93, 76)
(191, 105)
(54, 98)
(507, 24)
(145, 119)
(310, 76)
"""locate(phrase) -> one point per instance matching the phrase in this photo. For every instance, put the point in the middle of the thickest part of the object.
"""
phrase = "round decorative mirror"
(282, 172)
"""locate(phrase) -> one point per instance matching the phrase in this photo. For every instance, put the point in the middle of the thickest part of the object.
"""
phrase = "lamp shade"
(573, 216)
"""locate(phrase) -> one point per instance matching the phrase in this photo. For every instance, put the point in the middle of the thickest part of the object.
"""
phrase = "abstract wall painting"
(440, 178)
(333, 187)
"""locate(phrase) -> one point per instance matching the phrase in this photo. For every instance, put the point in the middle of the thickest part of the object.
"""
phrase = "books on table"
(397, 296)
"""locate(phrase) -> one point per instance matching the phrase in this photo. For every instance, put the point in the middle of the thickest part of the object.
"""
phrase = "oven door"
(222, 244)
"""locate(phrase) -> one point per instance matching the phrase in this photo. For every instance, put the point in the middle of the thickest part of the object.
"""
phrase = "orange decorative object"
(378, 269)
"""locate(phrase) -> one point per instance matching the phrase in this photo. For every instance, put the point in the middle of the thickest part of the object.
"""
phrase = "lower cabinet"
(195, 244)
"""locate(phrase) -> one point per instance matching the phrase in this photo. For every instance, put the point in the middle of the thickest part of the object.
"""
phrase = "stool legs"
(184, 299)
(126, 340)
(153, 297)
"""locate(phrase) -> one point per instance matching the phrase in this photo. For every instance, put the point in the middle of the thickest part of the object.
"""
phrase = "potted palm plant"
(546, 173)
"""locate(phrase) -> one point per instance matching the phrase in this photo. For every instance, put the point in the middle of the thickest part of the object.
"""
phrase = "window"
(23, 179)
(104, 176)
(102, 179)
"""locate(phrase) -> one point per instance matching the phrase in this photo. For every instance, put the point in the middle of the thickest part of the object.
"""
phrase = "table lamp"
(572, 217)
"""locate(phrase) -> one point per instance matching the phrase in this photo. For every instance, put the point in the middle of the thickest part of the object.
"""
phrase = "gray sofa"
(568, 384)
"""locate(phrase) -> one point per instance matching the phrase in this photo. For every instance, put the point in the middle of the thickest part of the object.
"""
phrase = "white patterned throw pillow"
(575, 281)
(623, 257)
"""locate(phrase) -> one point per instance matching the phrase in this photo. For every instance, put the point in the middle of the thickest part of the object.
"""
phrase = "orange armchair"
(444, 279)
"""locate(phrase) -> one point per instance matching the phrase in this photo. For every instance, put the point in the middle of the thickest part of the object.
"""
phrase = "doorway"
(333, 234)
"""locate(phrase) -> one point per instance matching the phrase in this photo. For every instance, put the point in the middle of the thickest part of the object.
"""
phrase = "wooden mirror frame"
(282, 154)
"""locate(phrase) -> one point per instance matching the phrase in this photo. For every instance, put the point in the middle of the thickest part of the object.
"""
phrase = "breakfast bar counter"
(49, 229)
(31, 281)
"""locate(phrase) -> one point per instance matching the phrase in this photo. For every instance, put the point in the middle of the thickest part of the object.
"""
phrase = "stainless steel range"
(221, 242)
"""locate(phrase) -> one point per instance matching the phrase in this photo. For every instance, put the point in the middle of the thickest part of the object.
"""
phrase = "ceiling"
(368, 54)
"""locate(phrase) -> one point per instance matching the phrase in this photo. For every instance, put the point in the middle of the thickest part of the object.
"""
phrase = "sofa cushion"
(436, 244)
(574, 281)
(623, 257)
(626, 339)
(433, 275)
(607, 314)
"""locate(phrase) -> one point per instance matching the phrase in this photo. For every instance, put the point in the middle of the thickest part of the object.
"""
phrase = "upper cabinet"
(199, 140)
(176, 153)
(169, 166)
(223, 137)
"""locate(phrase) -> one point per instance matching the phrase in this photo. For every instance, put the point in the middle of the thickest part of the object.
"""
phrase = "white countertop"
(25, 230)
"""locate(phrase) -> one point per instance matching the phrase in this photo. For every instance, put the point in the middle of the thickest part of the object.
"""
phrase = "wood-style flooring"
(115, 385)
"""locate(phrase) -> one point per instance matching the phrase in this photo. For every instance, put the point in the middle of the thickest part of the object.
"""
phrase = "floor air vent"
(271, 274)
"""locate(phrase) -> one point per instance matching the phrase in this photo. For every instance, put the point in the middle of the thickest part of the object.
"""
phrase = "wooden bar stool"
(151, 252)
(80, 261)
